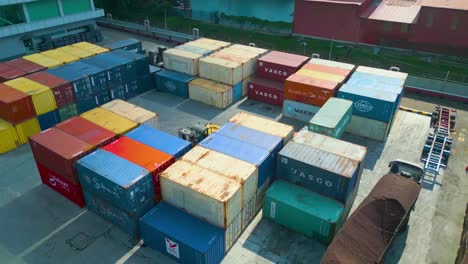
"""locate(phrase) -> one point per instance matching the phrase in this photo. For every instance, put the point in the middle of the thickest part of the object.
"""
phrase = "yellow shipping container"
(133, 112)
(26, 129)
(321, 75)
(8, 137)
(110, 121)
(219, 43)
(42, 96)
(77, 52)
(211, 93)
(43, 60)
(90, 47)
(60, 56)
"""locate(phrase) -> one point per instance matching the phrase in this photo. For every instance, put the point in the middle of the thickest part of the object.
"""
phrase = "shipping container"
(145, 84)
(123, 183)
(258, 51)
(8, 137)
(375, 81)
(197, 50)
(64, 58)
(132, 45)
(87, 131)
(385, 73)
(309, 90)
(42, 96)
(247, 62)
(303, 211)
(181, 236)
(133, 113)
(237, 170)
(48, 120)
(60, 184)
(279, 65)
(370, 103)
(205, 194)
(95, 49)
(213, 93)
(15, 106)
(67, 112)
(153, 160)
(129, 222)
(321, 75)
(327, 69)
(370, 128)
(264, 125)
(77, 52)
(110, 121)
(114, 66)
(8, 72)
(299, 111)
(160, 140)
(333, 64)
(139, 63)
(27, 128)
(318, 170)
(245, 85)
(267, 91)
(26, 66)
(42, 60)
(218, 43)
(220, 70)
(59, 151)
(262, 158)
(182, 61)
(212, 46)
(173, 83)
(62, 89)
(333, 118)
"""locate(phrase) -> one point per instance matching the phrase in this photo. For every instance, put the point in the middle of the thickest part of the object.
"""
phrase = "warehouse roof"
(400, 11)
(450, 4)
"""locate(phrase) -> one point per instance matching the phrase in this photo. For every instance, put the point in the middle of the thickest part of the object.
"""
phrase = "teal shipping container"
(333, 118)
(303, 211)
(174, 83)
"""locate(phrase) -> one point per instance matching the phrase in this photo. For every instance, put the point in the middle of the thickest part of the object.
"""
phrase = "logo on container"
(363, 106)
(267, 95)
(312, 178)
(170, 86)
(55, 181)
(172, 248)
(276, 72)
(301, 111)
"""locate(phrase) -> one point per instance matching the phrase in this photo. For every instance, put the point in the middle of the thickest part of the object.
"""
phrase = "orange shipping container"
(309, 90)
(327, 69)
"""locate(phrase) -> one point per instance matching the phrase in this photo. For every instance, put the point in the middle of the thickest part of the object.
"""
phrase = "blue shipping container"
(129, 222)
(114, 66)
(181, 236)
(145, 84)
(127, 185)
(173, 82)
(160, 140)
(139, 66)
(84, 104)
(49, 119)
(370, 103)
(262, 158)
(237, 92)
(132, 45)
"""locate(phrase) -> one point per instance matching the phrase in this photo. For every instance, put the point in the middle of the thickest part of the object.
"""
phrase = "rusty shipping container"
(279, 65)
(308, 90)
(267, 91)
(87, 131)
(15, 106)
(62, 89)
(27, 66)
(59, 151)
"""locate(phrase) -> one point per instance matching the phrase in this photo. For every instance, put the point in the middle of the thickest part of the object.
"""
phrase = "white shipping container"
(369, 128)
(205, 194)
(181, 61)
(133, 113)
(221, 70)
(240, 171)
(299, 111)
(248, 63)
(392, 74)
(334, 64)
(256, 50)
(206, 46)
(211, 93)
(265, 125)
(219, 43)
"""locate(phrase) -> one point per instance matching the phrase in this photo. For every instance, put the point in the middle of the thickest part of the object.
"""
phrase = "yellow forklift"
(195, 134)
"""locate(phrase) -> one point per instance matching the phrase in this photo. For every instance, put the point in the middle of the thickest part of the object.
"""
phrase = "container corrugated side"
(205, 194)
(48, 120)
(333, 118)
(265, 125)
(173, 83)
(399, 75)
(181, 236)
(330, 63)
(160, 140)
(62, 89)
(42, 96)
(181, 61)
(369, 128)
(299, 111)
(320, 171)
(60, 56)
(67, 112)
(309, 90)
(267, 91)
(133, 112)
(43, 60)
(27, 128)
(115, 179)
(15, 106)
(110, 121)
(221, 70)
(211, 93)
(303, 211)
(237, 170)
(8, 137)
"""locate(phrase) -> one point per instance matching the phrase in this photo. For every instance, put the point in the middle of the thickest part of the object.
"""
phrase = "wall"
(75, 6)
(43, 9)
(327, 20)
(271, 10)
(11, 46)
(385, 33)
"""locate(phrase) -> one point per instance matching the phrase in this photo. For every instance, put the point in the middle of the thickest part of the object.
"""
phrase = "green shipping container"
(333, 118)
(303, 211)
(67, 112)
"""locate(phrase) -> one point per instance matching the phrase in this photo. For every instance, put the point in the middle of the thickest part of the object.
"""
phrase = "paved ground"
(111, 35)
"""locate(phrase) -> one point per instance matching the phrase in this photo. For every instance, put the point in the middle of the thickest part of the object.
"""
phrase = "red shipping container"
(8, 72)
(279, 65)
(327, 69)
(72, 192)
(87, 131)
(26, 66)
(63, 90)
(267, 91)
(147, 157)
(15, 106)
(309, 90)
(58, 151)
